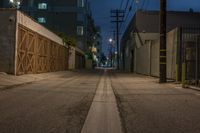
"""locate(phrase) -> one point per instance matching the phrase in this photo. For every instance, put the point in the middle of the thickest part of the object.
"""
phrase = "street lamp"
(111, 46)
(110, 40)
(15, 3)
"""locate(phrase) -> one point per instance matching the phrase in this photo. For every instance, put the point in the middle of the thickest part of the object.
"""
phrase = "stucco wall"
(143, 59)
(128, 56)
(142, 52)
(7, 40)
(172, 41)
(155, 46)
(147, 55)
(71, 58)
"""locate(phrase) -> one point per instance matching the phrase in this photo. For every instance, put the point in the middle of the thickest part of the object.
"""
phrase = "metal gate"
(190, 38)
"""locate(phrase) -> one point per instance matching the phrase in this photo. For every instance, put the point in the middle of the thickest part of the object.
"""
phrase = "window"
(80, 3)
(41, 20)
(80, 30)
(42, 6)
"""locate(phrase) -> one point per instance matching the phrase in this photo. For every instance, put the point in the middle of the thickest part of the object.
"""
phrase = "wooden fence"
(38, 54)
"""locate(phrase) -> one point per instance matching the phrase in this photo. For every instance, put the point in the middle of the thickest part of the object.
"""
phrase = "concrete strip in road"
(103, 116)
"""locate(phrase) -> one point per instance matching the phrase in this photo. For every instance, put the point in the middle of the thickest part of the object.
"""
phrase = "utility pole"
(163, 52)
(113, 46)
(118, 16)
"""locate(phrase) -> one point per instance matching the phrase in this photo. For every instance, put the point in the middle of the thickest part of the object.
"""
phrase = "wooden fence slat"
(38, 54)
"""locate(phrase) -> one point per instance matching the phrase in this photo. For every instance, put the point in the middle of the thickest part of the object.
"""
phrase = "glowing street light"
(110, 40)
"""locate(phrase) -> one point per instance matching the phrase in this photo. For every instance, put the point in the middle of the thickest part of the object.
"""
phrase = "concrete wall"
(7, 40)
(135, 51)
(71, 58)
(142, 61)
(172, 41)
(147, 54)
(79, 59)
(128, 57)
(155, 48)
(142, 52)
(76, 58)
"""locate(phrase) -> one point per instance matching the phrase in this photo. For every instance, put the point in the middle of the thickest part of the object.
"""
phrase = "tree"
(103, 58)
(67, 39)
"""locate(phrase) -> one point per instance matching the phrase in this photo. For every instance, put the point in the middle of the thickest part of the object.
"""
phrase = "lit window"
(41, 20)
(80, 30)
(80, 3)
(42, 6)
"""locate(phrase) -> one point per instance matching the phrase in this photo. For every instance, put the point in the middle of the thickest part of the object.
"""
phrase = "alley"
(55, 105)
(99, 102)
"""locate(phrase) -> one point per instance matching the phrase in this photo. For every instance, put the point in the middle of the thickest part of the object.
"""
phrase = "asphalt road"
(56, 105)
(148, 107)
(91, 103)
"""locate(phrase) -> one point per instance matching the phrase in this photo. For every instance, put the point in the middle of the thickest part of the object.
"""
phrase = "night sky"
(101, 12)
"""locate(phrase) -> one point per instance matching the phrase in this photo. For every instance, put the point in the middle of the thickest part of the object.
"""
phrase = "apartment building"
(66, 16)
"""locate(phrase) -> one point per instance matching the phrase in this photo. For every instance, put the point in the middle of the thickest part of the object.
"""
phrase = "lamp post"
(111, 50)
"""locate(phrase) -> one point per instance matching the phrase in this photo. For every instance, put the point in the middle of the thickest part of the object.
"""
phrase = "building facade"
(140, 42)
(66, 16)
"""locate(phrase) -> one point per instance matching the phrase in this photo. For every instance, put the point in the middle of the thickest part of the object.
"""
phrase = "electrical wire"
(126, 5)
(120, 7)
(127, 15)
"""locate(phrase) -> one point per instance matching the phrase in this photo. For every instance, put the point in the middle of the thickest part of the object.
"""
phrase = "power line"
(117, 16)
(127, 15)
(133, 4)
(126, 5)
(120, 7)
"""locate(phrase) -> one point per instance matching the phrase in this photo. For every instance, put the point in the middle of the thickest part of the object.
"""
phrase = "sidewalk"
(9, 81)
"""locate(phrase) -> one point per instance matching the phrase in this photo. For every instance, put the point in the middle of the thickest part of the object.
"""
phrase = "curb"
(193, 88)
(15, 85)
(21, 84)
